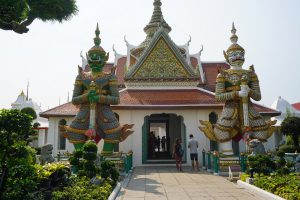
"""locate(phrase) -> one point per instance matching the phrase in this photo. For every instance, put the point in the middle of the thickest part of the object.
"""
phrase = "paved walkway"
(162, 183)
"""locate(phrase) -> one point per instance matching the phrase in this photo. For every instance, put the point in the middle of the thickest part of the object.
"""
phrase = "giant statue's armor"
(94, 92)
(236, 87)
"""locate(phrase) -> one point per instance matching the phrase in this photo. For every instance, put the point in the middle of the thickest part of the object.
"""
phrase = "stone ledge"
(115, 192)
(260, 192)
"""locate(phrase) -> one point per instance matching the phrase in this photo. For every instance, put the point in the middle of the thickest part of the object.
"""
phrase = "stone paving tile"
(165, 183)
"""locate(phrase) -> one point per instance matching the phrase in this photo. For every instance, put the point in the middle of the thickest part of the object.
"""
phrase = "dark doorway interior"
(159, 140)
(159, 134)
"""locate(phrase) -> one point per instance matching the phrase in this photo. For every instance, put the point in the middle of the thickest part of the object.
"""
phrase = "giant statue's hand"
(244, 91)
(93, 97)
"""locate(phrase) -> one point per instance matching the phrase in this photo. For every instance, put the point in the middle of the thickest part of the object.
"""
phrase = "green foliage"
(90, 155)
(244, 177)
(90, 146)
(13, 10)
(86, 167)
(29, 111)
(287, 186)
(81, 188)
(289, 140)
(16, 15)
(261, 164)
(21, 176)
(291, 126)
(109, 170)
(14, 125)
(16, 158)
(75, 158)
(289, 148)
(52, 175)
(52, 9)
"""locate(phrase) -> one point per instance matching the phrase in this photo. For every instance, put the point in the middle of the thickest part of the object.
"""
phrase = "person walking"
(193, 146)
(163, 143)
(178, 153)
(158, 143)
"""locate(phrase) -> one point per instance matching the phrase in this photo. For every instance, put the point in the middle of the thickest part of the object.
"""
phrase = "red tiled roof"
(211, 72)
(265, 110)
(194, 62)
(158, 99)
(120, 70)
(64, 110)
(107, 67)
(296, 106)
(167, 97)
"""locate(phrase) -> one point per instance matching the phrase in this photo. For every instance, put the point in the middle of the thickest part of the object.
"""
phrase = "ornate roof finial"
(157, 19)
(97, 48)
(234, 38)
(97, 39)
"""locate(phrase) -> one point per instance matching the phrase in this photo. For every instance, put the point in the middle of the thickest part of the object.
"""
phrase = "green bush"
(52, 175)
(90, 146)
(289, 148)
(29, 111)
(21, 177)
(289, 140)
(81, 188)
(287, 186)
(109, 170)
(261, 164)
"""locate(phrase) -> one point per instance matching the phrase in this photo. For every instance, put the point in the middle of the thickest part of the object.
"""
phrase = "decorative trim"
(160, 33)
(146, 85)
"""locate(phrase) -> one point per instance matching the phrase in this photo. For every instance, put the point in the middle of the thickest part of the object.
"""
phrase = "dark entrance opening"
(159, 134)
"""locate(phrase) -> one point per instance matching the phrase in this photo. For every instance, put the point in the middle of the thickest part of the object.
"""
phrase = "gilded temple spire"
(156, 23)
(157, 19)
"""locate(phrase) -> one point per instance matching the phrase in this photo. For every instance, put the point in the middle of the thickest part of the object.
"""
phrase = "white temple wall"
(190, 118)
(41, 137)
(53, 133)
(134, 142)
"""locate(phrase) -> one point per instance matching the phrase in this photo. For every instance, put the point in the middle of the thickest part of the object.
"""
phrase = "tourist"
(178, 153)
(163, 143)
(193, 146)
(158, 143)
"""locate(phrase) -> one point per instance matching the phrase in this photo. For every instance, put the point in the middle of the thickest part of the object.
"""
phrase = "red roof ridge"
(296, 105)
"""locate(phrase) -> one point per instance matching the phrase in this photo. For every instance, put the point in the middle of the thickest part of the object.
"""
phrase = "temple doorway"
(159, 134)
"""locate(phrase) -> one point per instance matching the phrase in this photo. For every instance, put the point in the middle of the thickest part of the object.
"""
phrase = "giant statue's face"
(96, 61)
(236, 58)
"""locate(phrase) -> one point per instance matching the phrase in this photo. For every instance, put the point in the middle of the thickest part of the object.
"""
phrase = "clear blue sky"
(48, 55)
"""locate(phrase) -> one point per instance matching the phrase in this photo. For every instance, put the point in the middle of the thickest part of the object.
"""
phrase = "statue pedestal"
(226, 148)
(225, 162)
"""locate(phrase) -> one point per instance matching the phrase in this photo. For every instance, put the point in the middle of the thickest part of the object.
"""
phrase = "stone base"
(225, 162)
(250, 180)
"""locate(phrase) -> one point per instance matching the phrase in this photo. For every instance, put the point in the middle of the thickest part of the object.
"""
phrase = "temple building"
(286, 110)
(23, 101)
(164, 90)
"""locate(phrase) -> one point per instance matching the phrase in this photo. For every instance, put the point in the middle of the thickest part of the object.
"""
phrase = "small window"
(61, 138)
(213, 118)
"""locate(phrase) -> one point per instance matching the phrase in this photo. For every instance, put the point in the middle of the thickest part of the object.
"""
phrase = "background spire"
(27, 97)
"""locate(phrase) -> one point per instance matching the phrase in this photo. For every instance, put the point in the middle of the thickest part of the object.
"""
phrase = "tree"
(29, 111)
(17, 15)
(291, 126)
(15, 129)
